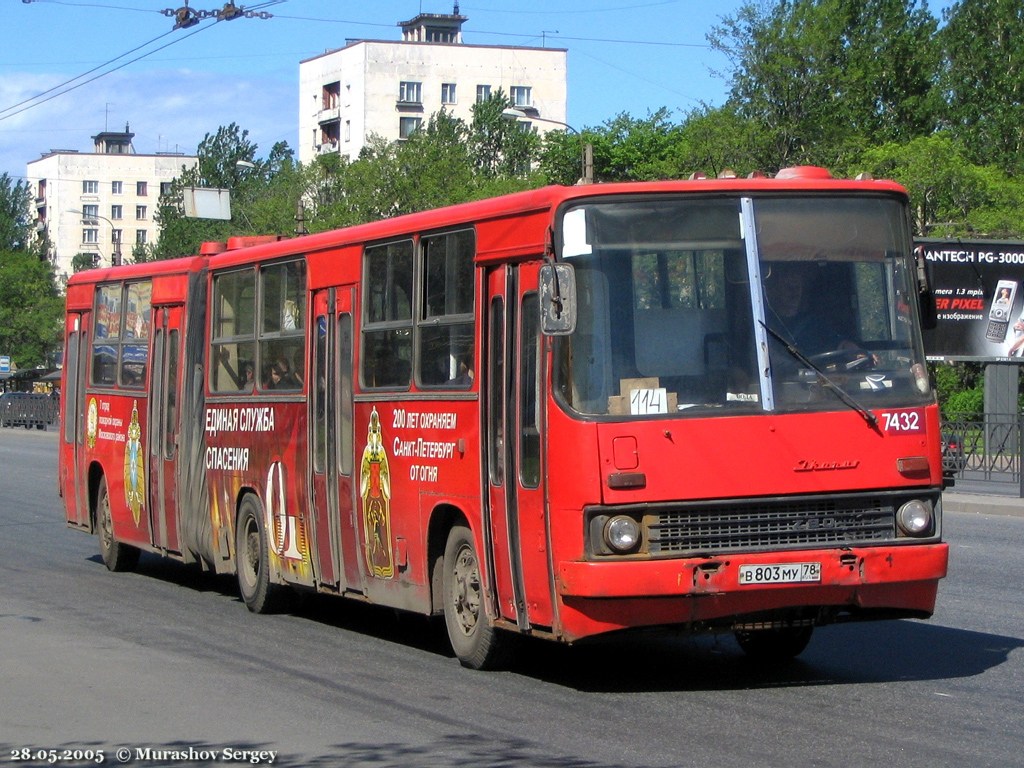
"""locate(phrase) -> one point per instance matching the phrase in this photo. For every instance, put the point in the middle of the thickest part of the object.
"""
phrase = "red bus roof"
(508, 227)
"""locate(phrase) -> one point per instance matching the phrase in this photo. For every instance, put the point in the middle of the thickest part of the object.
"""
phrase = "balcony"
(328, 114)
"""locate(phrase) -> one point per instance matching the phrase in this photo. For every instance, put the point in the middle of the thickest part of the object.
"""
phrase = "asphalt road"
(167, 659)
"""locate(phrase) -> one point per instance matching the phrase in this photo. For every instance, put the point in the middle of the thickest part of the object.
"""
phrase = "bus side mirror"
(557, 299)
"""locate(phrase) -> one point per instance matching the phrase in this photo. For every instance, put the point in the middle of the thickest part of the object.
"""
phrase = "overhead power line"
(37, 101)
(185, 17)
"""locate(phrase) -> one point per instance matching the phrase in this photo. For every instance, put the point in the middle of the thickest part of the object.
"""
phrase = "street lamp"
(89, 218)
(513, 114)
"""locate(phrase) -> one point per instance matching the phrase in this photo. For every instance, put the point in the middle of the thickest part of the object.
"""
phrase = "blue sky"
(632, 56)
(623, 56)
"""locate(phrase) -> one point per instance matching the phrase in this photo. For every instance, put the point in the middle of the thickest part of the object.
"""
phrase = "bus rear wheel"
(116, 556)
(252, 560)
(774, 645)
(475, 640)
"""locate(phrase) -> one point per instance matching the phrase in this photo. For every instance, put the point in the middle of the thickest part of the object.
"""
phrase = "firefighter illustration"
(375, 489)
(134, 471)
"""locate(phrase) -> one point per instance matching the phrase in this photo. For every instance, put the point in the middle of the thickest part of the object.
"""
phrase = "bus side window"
(233, 330)
(282, 325)
(106, 334)
(387, 315)
(445, 352)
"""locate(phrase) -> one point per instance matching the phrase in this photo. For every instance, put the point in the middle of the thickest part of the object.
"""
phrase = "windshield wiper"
(824, 380)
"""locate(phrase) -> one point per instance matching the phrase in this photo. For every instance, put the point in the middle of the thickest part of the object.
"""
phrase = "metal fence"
(25, 409)
(982, 451)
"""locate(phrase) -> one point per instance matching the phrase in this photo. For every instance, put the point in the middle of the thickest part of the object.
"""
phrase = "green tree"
(15, 216)
(716, 140)
(500, 148)
(31, 311)
(983, 80)
(445, 162)
(624, 148)
(222, 164)
(826, 78)
(950, 195)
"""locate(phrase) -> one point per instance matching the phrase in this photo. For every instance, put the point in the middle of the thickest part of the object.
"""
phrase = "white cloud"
(168, 110)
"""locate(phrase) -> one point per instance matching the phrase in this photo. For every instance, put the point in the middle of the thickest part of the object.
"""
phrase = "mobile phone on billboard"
(999, 312)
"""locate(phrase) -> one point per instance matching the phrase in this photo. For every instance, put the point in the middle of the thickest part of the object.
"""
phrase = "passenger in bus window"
(795, 315)
(805, 322)
(464, 377)
(280, 376)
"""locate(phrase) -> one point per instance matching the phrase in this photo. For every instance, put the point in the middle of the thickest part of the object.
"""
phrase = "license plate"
(780, 573)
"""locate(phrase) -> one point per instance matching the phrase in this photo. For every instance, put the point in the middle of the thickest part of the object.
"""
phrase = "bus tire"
(774, 645)
(252, 560)
(116, 556)
(475, 640)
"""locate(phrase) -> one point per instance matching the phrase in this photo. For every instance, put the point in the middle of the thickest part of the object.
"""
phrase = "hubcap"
(466, 590)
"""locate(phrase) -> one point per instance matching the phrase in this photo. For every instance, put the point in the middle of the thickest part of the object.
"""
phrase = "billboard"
(979, 299)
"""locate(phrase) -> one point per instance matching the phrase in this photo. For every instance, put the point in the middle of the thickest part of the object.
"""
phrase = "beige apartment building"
(102, 202)
(391, 88)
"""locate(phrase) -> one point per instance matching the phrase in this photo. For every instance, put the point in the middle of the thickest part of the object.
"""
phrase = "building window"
(140, 237)
(407, 126)
(522, 95)
(115, 236)
(116, 187)
(348, 130)
(330, 96)
(90, 187)
(141, 188)
(90, 236)
(329, 134)
(483, 93)
(116, 212)
(439, 35)
(140, 212)
(410, 92)
(448, 93)
(90, 211)
(165, 188)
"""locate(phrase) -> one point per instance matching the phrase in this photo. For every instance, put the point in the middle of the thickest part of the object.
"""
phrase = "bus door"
(518, 530)
(330, 442)
(73, 477)
(165, 399)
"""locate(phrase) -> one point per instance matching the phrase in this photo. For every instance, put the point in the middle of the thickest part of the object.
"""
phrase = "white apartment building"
(102, 202)
(391, 88)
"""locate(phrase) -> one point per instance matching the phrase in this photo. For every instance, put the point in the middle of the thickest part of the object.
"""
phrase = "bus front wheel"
(252, 560)
(476, 642)
(116, 556)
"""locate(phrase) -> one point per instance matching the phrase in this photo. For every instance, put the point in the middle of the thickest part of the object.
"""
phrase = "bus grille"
(769, 525)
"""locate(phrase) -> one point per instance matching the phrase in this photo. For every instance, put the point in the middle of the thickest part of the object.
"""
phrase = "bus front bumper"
(887, 581)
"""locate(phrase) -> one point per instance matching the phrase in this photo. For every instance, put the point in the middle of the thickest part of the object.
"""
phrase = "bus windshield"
(781, 303)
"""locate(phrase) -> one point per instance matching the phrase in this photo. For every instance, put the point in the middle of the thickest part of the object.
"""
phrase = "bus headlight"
(622, 534)
(915, 518)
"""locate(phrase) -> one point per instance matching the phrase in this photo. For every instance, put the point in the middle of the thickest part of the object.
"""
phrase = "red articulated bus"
(565, 412)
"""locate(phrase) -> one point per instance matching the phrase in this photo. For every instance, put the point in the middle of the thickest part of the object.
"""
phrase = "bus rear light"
(913, 466)
(915, 518)
(622, 534)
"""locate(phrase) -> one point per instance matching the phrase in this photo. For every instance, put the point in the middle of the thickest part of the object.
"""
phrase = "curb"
(982, 504)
